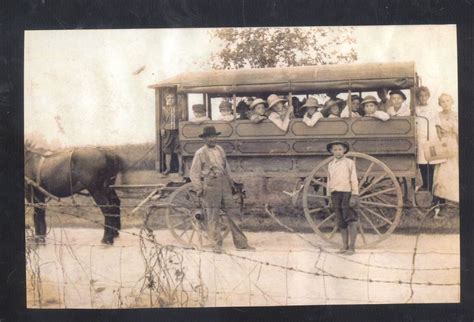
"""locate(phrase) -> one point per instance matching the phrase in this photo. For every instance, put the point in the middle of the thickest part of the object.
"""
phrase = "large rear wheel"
(381, 201)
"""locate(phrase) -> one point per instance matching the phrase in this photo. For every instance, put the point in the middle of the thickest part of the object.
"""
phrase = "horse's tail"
(114, 165)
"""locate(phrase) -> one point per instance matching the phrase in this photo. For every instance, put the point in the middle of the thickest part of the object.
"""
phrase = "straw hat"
(273, 99)
(256, 102)
(369, 99)
(399, 92)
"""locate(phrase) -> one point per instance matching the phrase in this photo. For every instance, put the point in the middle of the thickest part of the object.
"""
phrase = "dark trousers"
(427, 172)
(344, 213)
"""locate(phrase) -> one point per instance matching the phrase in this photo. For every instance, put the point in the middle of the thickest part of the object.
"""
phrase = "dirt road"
(74, 271)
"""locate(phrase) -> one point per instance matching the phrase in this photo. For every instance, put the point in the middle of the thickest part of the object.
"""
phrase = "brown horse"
(68, 172)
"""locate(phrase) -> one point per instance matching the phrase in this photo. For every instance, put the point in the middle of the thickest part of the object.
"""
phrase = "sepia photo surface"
(241, 167)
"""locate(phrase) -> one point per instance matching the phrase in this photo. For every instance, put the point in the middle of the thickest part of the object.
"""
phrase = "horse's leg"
(114, 201)
(101, 199)
(39, 219)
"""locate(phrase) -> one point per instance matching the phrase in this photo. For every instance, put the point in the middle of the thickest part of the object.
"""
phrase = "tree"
(279, 47)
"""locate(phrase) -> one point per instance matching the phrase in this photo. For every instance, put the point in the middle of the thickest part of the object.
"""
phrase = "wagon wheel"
(380, 195)
(186, 220)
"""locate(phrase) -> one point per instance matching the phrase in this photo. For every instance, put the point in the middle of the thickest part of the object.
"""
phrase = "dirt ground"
(74, 270)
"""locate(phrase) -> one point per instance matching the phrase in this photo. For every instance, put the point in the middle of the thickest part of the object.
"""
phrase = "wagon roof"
(367, 76)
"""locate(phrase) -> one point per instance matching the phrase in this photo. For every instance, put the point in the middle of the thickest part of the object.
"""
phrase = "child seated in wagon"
(280, 113)
(225, 108)
(199, 111)
(354, 109)
(311, 115)
(370, 106)
(258, 111)
(333, 108)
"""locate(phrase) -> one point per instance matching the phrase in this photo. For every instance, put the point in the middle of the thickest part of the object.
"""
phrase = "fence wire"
(173, 275)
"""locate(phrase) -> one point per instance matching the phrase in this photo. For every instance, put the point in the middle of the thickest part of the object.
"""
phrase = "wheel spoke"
(315, 210)
(370, 222)
(317, 196)
(377, 215)
(191, 237)
(377, 193)
(373, 183)
(326, 219)
(366, 173)
(331, 235)
(181, 223)
(379, 204)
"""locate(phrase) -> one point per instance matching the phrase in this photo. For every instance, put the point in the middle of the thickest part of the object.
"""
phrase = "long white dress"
(446, 175)
(423, 113)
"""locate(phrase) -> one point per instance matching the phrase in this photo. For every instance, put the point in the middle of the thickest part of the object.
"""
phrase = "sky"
(81, 87)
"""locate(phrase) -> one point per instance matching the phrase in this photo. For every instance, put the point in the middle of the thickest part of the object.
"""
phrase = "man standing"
(210, 177)
(171, 115)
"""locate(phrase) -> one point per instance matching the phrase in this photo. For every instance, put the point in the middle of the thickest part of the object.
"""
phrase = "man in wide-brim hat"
(209, 174)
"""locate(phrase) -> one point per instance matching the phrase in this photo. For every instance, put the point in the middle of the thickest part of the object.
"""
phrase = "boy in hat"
(199, 111)
(280, 114)
(398, 106)
(370, 106)
(312, 116)
(225, 108)
(258, 110)
(170, 117)
(343, 189)
(209, 174)
(355, 107)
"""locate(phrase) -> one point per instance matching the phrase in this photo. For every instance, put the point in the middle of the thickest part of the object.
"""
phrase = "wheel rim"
(185, 218)
(380, 195)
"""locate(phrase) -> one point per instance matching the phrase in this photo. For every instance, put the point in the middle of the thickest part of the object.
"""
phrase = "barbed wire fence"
(171, 275)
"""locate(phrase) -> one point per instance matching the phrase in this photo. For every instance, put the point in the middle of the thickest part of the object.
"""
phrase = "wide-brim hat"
(209, 131)
(399, 92)
(273, 99)
(311, 102)
(328, 104)
(256, 102)
(368, 99)
(344, 144)
(199, 108)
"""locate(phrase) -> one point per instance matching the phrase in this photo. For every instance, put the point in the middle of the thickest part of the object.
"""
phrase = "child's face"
(445, 102)
(396, 100)
(334, 110)
(338, 150)
(423, 97)
(312, 110)
(170, 100)
(355, 104)
(199, 114)
(278, 107)
(370, 108)
(226, 112)
(260, 109)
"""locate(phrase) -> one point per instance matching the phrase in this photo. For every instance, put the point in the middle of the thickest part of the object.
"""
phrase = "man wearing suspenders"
(210, 177)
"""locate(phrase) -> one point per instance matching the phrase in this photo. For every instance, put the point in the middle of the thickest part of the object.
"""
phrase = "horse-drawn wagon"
(384, 152)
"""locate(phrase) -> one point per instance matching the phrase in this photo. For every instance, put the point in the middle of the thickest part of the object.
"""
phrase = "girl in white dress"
(446, 175)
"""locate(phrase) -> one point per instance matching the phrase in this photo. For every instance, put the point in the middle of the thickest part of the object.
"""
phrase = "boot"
(352, 229)
(344, 241)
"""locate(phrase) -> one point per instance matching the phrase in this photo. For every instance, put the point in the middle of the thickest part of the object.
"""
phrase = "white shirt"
(281, 124)
(381, 115)
(431, 113)
(228, 118)
(313, 119)
(342, 176)
(403, 111)
(199, 120)
(331, 116)
(204, 159)
(345, 113)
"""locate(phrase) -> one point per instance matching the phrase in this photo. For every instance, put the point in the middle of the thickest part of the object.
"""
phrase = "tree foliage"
(279, 47)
